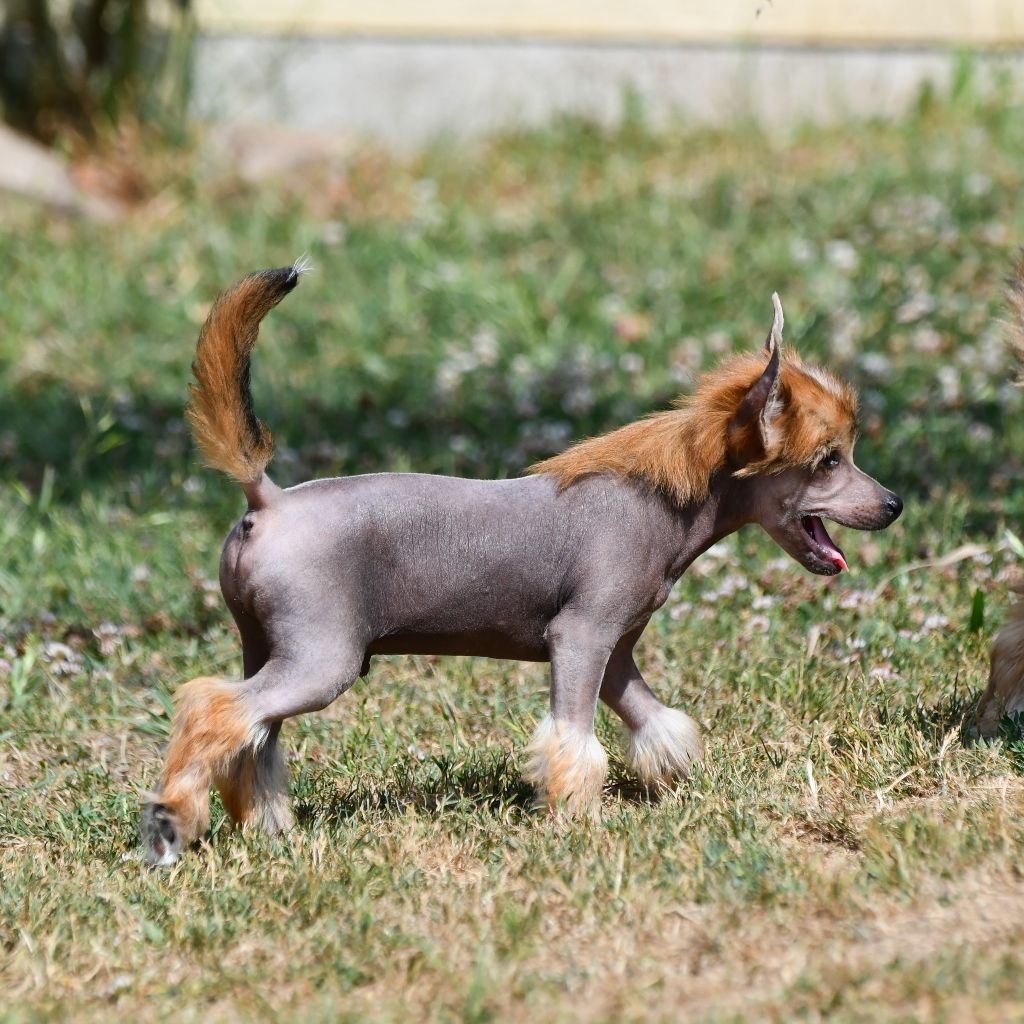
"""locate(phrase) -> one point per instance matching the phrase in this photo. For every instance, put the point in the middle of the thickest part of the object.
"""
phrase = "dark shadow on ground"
(934, 721)
(491, 781)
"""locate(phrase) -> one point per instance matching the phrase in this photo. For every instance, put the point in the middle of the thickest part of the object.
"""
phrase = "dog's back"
(419, 564)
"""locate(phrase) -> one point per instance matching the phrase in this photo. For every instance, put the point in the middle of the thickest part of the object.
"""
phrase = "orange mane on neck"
(680, 450)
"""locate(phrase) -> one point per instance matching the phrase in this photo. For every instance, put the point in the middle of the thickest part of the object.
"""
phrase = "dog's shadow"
(489, 782)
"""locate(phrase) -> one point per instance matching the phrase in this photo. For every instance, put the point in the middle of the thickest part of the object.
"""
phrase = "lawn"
(843, 851)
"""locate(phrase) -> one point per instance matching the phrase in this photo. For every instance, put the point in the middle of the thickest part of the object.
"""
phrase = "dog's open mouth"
(822, 544)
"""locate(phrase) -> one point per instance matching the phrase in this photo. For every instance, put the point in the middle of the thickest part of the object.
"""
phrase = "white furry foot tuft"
(663, 748)
(568, 766)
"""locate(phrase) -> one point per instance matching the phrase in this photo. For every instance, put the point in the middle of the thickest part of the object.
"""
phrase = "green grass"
(841, 852)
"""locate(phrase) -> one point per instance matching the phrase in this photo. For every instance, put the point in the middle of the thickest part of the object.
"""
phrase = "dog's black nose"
(894, 503)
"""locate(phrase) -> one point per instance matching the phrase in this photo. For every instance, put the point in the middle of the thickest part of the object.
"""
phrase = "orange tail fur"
(225, 427)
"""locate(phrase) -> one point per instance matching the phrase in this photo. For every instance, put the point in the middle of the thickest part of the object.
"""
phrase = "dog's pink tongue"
(831, 548)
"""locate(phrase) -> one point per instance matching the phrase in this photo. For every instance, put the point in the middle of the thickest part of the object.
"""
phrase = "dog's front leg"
(565, 761)
(663, 742)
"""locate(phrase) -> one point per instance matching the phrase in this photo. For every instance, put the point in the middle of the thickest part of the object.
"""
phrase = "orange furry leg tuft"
(212, 724)
(237, 788)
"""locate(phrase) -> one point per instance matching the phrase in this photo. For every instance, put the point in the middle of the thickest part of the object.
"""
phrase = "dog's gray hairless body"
(328, 573)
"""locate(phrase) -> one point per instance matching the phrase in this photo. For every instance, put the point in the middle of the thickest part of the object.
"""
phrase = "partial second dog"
(1004, 695)
(566, 565)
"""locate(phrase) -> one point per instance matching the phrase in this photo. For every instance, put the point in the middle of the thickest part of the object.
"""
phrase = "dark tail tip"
(277, 283)
(301, 266)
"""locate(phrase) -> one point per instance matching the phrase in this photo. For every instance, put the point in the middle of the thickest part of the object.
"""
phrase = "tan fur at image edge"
(1005, 692)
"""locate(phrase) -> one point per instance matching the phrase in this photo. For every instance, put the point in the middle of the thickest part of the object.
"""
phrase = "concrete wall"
(408, 93)
(803, 22)
(406, 71)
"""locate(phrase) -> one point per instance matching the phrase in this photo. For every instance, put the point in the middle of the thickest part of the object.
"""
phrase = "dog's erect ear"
(750, 432)
(774, 339)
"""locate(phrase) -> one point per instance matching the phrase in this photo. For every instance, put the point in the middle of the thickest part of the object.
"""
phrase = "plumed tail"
(226, 429)
(1015, 325)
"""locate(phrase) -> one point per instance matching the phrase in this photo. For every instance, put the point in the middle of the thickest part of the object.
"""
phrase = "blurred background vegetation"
(76, 68)
(473, 310)
(477, 308)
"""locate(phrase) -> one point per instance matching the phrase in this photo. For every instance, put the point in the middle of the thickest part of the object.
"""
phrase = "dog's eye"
(831, 460)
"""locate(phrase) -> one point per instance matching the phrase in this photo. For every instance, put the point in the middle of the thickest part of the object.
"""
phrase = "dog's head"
(790, 440)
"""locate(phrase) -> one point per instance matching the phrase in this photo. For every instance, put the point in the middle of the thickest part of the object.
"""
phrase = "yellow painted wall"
(813, 22)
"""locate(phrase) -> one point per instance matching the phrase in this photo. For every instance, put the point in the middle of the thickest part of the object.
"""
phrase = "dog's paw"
(161, 838)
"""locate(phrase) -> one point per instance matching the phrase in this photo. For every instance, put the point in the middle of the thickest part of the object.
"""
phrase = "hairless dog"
(565, 565)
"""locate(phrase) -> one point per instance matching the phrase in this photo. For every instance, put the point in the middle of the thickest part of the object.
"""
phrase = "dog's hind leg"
(215, 722)
(254, 785)
(662, 742)
(565, 761)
